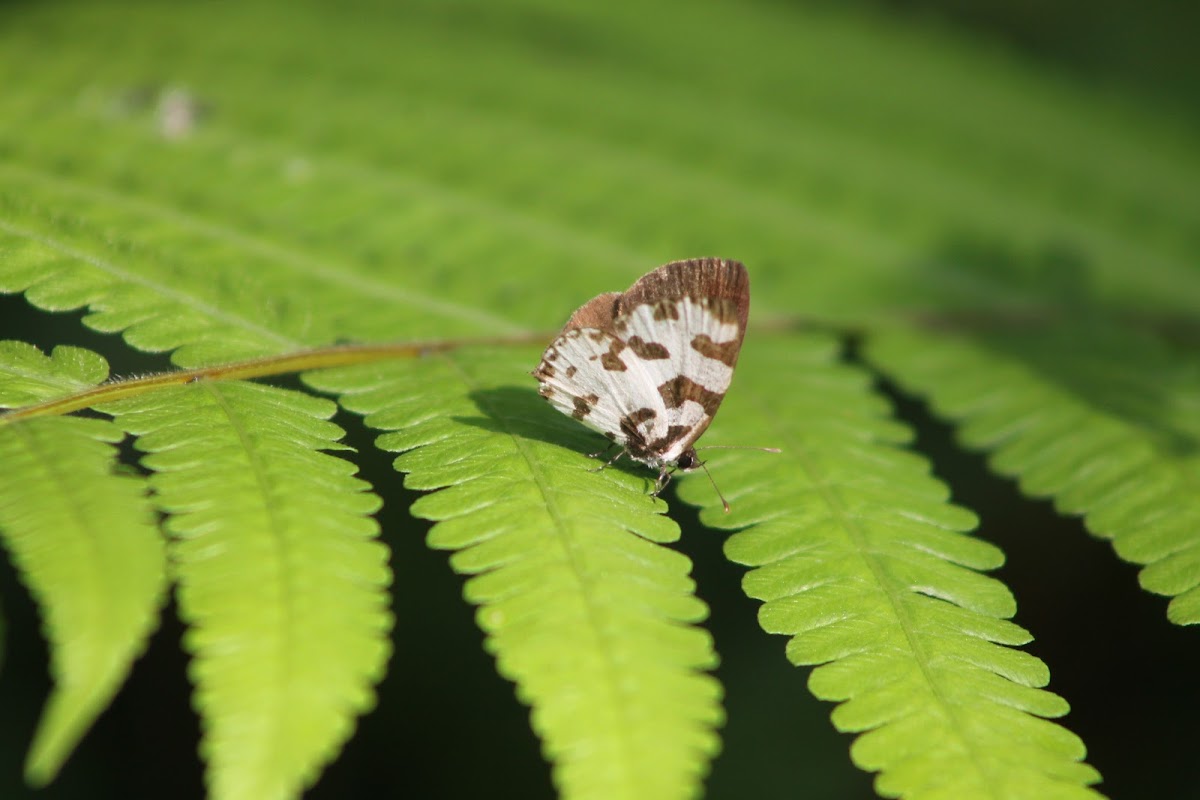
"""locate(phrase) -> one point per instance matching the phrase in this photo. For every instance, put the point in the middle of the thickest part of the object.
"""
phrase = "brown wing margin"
(595, 313)
(720, 278)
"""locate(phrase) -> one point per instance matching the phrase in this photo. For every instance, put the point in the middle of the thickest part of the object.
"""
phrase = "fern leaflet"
(860, 558)
(582, 605)
(1103, 420)
(280, 576)
(83, 538)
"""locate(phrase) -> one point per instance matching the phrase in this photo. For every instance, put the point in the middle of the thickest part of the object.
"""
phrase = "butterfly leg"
(603, 452)
(608, 463)
(664, 478)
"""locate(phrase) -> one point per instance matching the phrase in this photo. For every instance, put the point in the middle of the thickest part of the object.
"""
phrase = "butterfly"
(649, 367)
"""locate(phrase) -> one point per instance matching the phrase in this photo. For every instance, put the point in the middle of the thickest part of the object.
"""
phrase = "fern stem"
(347, 354)
(302, 361)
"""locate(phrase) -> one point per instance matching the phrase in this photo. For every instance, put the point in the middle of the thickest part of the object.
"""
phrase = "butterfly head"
(688, 460)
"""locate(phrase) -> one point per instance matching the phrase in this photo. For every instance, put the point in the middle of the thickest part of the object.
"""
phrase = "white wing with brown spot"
(577, 377)
(679, 351)
(649, 367)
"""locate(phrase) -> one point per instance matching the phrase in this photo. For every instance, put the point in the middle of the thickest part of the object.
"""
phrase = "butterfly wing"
(586, 374)
(686, 320)
(648, 368)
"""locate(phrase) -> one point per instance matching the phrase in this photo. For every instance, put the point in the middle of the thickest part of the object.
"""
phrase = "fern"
(583, 608)
(1102, 420)
(82, 534)
(255, 189)
(278, 574)
(834, 557)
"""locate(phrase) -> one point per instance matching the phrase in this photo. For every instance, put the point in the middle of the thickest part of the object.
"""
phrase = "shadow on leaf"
(521, 412)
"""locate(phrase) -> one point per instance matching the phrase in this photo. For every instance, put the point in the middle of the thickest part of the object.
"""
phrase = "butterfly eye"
(688, 461)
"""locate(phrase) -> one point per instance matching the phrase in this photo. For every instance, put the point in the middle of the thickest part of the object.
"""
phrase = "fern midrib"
(276, 528)
(571, 558)
(854, 531)
(98, 613)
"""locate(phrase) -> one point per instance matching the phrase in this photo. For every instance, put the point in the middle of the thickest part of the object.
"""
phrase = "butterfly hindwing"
(577, 377)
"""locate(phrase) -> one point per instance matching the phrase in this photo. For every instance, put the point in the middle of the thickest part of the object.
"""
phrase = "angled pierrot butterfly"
(649, 367)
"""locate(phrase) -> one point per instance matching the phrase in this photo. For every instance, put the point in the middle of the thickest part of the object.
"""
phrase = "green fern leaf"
(280, 576)
(28, 376)
(1102, 420)
(430, 198)
(57, 275)
(583, 608)
(82, 536)
(861, 559)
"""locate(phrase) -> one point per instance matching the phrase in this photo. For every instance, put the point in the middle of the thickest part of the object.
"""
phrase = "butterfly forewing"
(648, 368)
(688, 383)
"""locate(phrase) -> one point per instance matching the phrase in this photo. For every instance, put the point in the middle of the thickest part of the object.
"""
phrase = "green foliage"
(583, 607)
(1104, 421)
(279, 575)
(27, 376)
(236, 181)
(850, 535)
(82, 534)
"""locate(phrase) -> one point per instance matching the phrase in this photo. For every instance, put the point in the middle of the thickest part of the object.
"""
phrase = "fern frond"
(859, 556)
(1104, 421)
(83, 538)
(390, 215)
(280, 576)
(583, 608)
(153, 314)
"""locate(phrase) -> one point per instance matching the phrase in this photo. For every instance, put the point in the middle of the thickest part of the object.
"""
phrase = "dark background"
(448, 726)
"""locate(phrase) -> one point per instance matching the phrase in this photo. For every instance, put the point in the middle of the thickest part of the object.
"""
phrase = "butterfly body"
(649, 367)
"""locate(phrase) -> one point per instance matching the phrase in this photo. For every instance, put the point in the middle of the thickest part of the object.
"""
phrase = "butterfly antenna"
(724, 502)
(729, 447)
